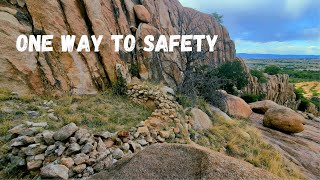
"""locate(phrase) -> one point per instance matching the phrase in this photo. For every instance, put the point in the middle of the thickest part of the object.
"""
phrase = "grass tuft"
(240, 139)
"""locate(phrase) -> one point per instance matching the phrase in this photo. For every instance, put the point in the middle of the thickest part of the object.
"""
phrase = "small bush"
(272, 70)
(184, 100)
(120, 87)
(250, 98)
(316, 101)
(218, 17)
(202, 82)
(259, 75)
(304, 104)
(299, 93)
(134, 69)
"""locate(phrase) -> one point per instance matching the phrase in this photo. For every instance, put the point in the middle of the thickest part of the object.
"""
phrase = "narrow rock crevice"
(82, 7)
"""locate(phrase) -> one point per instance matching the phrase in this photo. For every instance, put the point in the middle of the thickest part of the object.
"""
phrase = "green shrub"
(184, 100)
(304, 104)
(304, 101)
(134, 69)
(218, 17)
(250, 98)
(120, 87)
(205, 81)
(299, 93)
(316, 101)
(259, 75)
(235, 75)
(202, 82)
(272, 70)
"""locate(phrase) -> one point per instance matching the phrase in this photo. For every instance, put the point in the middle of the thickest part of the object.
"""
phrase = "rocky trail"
(301, 148)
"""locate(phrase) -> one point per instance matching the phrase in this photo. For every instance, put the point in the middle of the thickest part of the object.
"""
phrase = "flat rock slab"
(301, 148)
(176, 161)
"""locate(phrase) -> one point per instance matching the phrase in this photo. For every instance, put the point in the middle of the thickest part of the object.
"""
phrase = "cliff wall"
(87, 73)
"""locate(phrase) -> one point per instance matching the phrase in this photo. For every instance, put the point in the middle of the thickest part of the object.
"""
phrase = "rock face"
(284, 119)
(87, 72)
(182, 162)
(277, 89)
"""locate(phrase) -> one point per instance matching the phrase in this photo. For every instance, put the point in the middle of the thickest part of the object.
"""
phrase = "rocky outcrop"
(284, 119)
(182, 162)
(277, 88)
(88, 72)
(302, 148)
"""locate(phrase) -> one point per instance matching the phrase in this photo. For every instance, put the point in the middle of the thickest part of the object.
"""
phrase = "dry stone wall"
(74, 152)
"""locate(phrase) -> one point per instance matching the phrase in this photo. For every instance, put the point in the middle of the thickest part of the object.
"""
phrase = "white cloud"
(295, 8)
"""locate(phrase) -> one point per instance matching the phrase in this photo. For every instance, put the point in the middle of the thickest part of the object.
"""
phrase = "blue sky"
(268, 26)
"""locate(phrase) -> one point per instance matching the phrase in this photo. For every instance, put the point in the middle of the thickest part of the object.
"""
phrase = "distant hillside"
(275, 56)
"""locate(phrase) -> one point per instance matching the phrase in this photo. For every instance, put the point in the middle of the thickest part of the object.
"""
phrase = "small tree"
(218, 17)
(235, 74)
(202, 82)
(272, 70)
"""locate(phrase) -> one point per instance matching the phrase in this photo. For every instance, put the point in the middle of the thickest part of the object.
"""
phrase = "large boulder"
(283, 119)
(201, 120)
(182, 162)
(142, 13)
(261, 107)
(234, 106)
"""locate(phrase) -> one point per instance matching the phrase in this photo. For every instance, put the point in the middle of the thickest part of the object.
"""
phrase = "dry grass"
(311, 89)
(99, 112)
(240, 139)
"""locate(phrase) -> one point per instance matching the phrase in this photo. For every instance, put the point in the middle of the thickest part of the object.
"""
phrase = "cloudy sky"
(268, 26)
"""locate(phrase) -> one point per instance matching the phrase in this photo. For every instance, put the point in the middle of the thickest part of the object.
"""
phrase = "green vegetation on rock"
(259, 74)
(218, 17)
